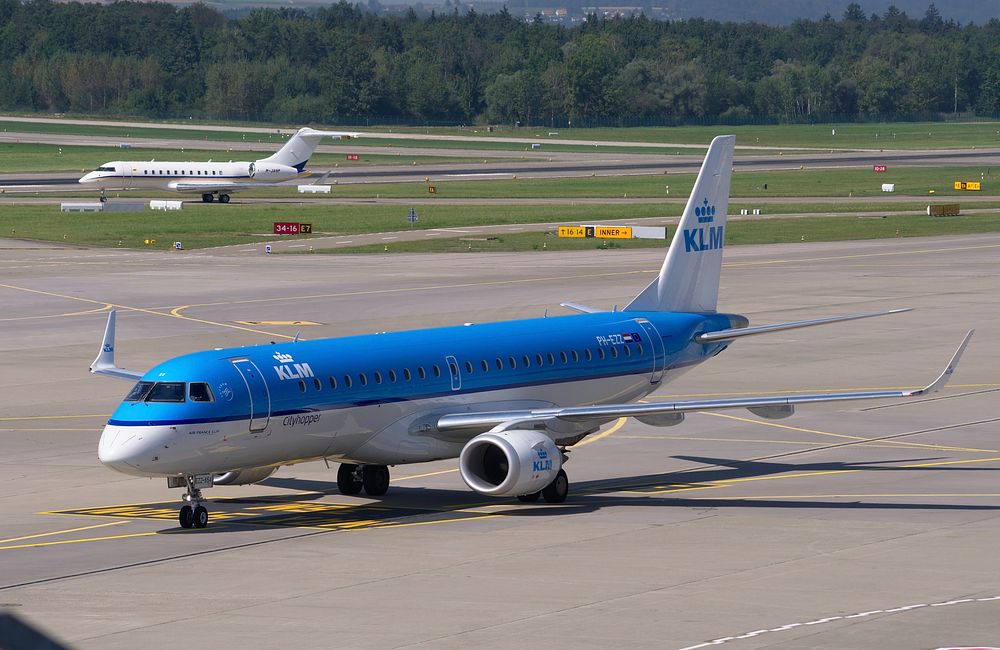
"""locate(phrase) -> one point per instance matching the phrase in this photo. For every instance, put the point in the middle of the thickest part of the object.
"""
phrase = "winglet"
(943, 378)
(104, 364)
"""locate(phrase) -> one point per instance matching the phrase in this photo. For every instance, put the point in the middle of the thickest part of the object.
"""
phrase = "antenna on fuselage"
(295, 339)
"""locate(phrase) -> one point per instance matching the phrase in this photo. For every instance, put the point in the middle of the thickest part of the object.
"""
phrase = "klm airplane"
(508, 399)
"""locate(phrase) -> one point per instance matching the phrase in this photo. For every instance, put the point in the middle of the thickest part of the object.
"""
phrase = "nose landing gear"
(193, 514)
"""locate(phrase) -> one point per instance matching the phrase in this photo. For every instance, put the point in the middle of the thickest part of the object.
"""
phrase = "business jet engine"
(512, 462)
(244, 476)
(261, 171)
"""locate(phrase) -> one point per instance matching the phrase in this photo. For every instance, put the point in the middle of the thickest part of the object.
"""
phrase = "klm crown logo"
(704, 238)
(705, 212)
(283, 358)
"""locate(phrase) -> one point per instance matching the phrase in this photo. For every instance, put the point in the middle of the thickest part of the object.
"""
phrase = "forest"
(345, 65)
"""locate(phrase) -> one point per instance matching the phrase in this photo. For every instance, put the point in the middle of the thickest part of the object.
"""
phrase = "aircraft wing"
(104, 364)
(207, 185)
(764, 406)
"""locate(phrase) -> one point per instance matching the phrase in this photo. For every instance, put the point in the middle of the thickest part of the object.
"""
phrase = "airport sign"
(969, 186)
(878, 169)
(572, 231)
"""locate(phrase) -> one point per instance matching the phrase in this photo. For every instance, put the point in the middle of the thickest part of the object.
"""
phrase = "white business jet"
(213, 178)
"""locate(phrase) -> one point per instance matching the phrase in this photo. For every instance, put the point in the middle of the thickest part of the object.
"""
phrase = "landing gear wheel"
(223, 198)
(186, 517)
(104, 199)
(348, 481)
(529, 498)
(200, 517)
(207, 197)
(556, 491)
(375, 479)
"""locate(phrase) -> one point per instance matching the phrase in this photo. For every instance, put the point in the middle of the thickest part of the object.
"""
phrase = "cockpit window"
(166, 391)
(105, 169)
(138, 392)
(200, 392)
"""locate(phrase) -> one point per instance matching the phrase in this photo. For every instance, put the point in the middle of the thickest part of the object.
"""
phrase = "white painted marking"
(346, 241)
(386, 238)
(819, 621)
(296, 245)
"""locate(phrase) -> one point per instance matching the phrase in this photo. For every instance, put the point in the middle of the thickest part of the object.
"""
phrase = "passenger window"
(565, 359)
(200, 392)
(527, 361)
(513, 363)
(638, 348)
(363, 378)
(333, 383)
(614, 352)
(538, 359)
(302, 385)
(453, 368)
(628, 350)
(378, 377)
(421, 372)
(600, 354)
(406, 374)
(468, 367)
(587, 354)
(166, 391)
(348, 381)
(392, 376)
(486, 366)
(576, 357)
(551, 359)
(437, 370)
(138, 392)
(317, 383)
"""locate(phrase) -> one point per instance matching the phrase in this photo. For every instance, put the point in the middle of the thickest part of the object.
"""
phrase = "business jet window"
(138, 392)
(166, 391)
(199, 391)
(105, 169)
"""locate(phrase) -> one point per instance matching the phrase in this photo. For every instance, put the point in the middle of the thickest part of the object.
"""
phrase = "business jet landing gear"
(223, 198)
(193, 514)
(373, 479)
(207, 197)
(103, 197)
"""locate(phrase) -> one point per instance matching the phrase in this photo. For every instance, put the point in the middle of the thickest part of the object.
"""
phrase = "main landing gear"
(373, 479)
(193, 514)
(554, 492)
(207, 197)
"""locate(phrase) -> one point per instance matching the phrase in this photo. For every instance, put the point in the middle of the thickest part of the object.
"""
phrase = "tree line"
(344, 65)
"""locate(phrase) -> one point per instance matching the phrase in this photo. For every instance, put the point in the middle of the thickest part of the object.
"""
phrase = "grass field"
(30, 157)
(199, 226)
(904, 135)
(764, 231)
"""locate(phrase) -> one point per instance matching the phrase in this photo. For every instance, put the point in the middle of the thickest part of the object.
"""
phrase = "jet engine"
(509, 462)
(244, 476)
(271, 171)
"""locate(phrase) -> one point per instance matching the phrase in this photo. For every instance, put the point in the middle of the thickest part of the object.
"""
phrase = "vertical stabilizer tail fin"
(298, 149)
(689, 277)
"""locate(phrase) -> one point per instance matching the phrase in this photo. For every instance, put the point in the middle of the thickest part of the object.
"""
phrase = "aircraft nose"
(130, 450)
(87, 178)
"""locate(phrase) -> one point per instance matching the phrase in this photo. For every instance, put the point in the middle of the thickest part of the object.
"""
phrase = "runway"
(845, 526)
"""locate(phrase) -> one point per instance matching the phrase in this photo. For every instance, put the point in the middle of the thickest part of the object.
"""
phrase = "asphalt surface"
(845, 526)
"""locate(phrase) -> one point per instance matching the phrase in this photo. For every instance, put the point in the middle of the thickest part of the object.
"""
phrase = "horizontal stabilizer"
(104, 364)
(768, 406)
(583, 309)
(735, 333)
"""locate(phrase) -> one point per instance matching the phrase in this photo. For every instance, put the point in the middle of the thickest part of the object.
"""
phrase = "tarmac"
(845, 526)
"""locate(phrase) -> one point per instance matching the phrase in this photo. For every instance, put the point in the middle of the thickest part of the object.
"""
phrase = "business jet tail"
(689, 278)
(298, 149)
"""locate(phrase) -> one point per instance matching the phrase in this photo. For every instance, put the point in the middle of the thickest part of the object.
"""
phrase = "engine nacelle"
(264, 171)
(244, 476)
(509, 462)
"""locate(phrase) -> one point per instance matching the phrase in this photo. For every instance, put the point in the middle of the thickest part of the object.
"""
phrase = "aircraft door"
(126, 175)
(656, 344)
(260, 396)
(455, 372)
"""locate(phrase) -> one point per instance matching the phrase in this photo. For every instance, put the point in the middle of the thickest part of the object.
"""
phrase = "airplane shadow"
(404, 504)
